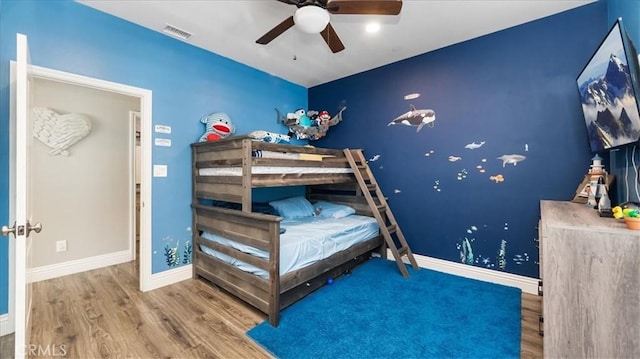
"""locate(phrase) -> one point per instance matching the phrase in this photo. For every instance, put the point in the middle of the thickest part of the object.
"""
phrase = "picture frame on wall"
(610, 92)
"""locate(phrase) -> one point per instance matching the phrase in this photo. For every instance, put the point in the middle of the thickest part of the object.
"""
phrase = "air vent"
(174, 31)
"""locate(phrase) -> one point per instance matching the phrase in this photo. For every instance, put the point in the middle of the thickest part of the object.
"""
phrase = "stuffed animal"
(270, 137)
(309, 125)
(323, 118)
(299, 118)
(217, 126)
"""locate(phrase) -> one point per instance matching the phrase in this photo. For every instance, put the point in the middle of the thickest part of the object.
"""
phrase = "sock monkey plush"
(217, 126)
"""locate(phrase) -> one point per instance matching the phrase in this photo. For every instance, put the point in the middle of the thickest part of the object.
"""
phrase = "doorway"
(82, 177)
(143, 101)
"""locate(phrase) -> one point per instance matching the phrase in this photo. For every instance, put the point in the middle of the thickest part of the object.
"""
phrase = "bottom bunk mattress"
(304, 242)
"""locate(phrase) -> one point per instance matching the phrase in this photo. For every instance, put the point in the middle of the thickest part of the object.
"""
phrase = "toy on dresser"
(598, 191)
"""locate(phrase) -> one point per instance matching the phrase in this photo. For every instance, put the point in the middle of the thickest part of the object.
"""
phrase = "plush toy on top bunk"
(309, 125)
(270, 137)
(217, 126)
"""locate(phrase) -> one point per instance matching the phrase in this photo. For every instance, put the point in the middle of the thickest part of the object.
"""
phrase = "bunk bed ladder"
(380, 209)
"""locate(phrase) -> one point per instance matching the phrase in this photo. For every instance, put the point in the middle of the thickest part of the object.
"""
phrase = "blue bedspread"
(306, 241)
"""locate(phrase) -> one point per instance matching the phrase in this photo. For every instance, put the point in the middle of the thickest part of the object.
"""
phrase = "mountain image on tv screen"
(607, 95)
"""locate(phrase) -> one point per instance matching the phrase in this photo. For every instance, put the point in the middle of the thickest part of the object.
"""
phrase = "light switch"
(159, 170)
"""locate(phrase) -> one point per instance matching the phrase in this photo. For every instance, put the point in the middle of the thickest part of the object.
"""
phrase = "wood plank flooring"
(101, 314)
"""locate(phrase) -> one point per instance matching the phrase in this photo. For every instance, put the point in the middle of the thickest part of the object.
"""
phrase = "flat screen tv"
(608, 87)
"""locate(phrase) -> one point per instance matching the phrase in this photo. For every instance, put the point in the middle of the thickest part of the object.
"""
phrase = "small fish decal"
(519, 258)
(454, 158)
(473, 145)
(513, 159)
(497, 178)
(396, 191)
(416, 118)
(374, 158)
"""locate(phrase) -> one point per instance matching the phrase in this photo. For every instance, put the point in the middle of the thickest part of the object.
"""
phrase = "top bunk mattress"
(261, 169)
(237, 171)
(305, 241)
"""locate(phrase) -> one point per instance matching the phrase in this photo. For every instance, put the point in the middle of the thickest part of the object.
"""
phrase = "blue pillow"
(294, 207)
(333, 210)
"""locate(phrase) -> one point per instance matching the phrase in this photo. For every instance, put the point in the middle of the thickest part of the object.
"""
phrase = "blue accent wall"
(628, 187)
(515, 91)
(187, 83)
(629, 11)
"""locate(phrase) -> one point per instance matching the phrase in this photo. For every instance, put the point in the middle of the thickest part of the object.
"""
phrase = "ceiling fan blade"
(276, 31)
(331, 38)
(364, 7)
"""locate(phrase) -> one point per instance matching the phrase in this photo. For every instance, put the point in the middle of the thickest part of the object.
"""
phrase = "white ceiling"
(230, 28)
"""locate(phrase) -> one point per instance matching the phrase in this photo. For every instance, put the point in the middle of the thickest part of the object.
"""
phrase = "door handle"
(7, 230)
(36, 228)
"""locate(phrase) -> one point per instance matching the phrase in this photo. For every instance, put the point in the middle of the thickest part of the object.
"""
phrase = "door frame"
(145, 97)
(135, 127)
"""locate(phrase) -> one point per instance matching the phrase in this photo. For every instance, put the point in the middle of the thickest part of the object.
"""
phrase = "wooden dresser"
(590, 272)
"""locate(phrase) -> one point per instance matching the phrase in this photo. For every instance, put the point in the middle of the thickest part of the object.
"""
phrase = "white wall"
(83, 198)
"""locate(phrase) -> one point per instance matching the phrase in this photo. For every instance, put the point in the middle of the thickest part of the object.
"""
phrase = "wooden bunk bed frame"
(262, 231)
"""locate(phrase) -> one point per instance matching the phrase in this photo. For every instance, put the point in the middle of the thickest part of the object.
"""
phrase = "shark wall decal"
(513, 159)
(415, 117)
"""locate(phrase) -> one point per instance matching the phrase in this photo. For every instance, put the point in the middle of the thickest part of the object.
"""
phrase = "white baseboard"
(77, 266)
(526, 284)
(170, 276)
(5, 326)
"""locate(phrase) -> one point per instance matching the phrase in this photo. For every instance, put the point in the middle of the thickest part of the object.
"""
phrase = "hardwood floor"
(530, 339)
(101, 313)
(6, 346)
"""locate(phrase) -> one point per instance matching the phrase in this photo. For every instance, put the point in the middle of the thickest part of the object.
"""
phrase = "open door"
(19, 211)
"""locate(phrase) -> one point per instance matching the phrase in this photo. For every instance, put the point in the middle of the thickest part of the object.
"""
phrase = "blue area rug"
(376, 313)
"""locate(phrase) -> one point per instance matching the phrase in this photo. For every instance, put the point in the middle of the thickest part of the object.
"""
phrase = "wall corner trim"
(526, 284)
(169, 277)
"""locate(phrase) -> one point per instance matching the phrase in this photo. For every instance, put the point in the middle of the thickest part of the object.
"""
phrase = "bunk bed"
(227, 171)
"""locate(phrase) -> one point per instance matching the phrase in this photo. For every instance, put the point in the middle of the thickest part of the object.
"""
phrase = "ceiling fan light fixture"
(372, 27)
(311, 19)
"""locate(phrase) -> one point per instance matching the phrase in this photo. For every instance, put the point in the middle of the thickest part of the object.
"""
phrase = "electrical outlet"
(61, 246)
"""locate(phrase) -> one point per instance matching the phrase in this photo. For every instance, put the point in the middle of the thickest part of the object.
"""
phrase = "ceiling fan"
(312, 16)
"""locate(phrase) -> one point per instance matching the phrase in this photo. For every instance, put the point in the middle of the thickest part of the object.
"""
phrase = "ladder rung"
(362, 167)
(381, 207)
(402, 251)
(371, 186)
(392, 228)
